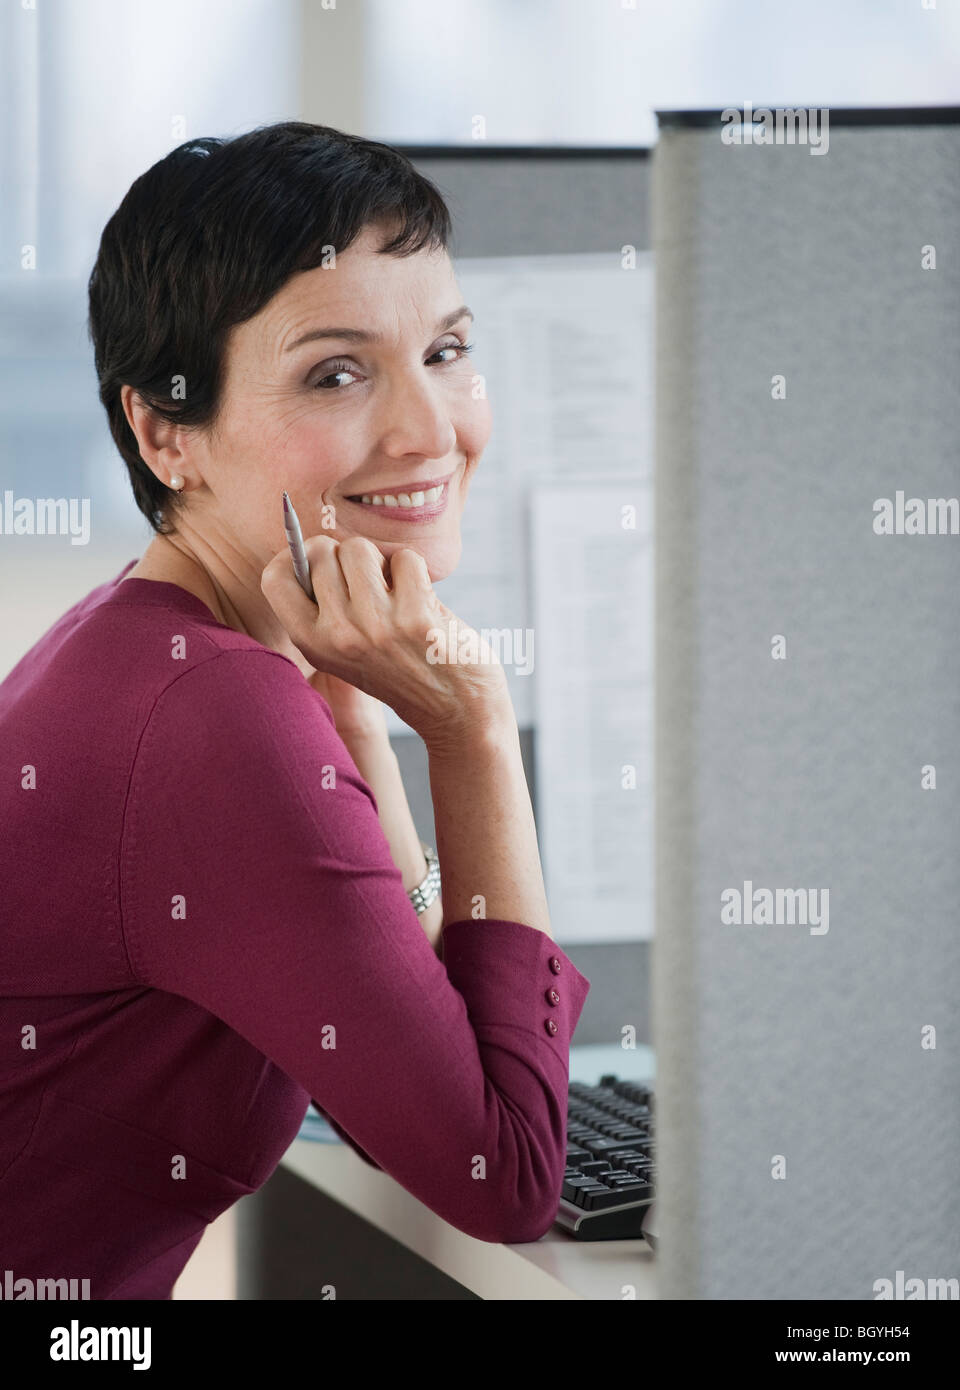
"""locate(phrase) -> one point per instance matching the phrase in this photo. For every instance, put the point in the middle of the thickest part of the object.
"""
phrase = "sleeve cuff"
(513, 975)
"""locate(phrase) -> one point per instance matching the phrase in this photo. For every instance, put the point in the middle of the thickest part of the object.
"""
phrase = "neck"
(233, 595)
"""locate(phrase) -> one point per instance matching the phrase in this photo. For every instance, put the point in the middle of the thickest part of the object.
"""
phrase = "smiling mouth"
(419, 499)
(407, 501)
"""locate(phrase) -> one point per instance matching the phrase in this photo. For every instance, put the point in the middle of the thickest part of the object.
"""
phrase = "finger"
(329, 583)
(364, 568)
(281, 588)
(412, 588)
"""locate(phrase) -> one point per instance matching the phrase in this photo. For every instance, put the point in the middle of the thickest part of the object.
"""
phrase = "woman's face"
(335, 418)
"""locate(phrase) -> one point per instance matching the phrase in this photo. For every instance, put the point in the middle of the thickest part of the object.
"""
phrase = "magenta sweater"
(201, 929)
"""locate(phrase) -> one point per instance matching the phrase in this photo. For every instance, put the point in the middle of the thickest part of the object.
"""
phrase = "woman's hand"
(378, 625)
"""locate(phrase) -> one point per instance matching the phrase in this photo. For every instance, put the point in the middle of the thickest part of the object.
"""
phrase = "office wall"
(806, 771)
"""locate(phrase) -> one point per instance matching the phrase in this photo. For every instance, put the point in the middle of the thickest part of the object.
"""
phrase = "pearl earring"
(176, 482)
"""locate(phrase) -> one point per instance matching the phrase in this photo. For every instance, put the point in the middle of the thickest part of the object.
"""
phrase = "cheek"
(318, 456)
(473, 433)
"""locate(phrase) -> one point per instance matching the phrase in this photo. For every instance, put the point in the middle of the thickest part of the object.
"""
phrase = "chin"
(442, 557)
(441, 570)
(441, 554)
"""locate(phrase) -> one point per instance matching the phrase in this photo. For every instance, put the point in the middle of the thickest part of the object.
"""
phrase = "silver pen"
(301, 567)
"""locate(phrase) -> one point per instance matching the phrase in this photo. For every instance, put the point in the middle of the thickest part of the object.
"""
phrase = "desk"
(554, 1267)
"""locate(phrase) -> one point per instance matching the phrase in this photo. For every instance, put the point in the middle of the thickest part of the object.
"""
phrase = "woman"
(210, 864)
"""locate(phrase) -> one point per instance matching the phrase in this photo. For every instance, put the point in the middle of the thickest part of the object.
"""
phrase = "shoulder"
(245, 694)
(244, 722)
(239, 774)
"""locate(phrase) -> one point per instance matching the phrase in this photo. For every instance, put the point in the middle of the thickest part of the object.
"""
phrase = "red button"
(551, 1027)
(554, 965)
(553, 997)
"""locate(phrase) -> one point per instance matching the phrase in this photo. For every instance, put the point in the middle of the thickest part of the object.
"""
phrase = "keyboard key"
(636, 1188)
(584, 1195)
(601, 1200)
(572, 1188)
(606, 1146)
(576, 1156)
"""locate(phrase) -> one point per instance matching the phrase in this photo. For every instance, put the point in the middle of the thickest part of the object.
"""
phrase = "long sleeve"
(256, 881)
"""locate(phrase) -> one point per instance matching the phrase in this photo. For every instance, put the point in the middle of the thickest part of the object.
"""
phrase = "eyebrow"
(357, 335)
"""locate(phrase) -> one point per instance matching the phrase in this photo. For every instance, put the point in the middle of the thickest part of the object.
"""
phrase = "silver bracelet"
(426, 892)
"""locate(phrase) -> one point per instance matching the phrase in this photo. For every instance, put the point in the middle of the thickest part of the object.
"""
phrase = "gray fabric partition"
(806, 772)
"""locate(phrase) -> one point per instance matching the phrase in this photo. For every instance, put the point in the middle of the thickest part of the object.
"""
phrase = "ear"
(158, 440)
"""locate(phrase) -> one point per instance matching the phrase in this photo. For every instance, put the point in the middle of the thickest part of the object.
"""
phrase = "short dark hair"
(206, 237)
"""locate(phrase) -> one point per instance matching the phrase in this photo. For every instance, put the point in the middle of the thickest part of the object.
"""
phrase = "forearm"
(486, 835)
(378, 766)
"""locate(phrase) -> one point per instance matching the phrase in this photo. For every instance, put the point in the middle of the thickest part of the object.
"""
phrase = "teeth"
(405, 499)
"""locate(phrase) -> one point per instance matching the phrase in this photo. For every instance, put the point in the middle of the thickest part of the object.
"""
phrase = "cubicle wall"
(808, 707)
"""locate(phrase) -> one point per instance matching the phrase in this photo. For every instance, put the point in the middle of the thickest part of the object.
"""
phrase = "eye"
(461, 349)
(343, 368)
(338, 369)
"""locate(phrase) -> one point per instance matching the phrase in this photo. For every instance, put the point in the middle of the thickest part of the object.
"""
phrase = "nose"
(418, 419)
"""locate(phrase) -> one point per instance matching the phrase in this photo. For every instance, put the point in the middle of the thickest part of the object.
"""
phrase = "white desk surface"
(554, 1267)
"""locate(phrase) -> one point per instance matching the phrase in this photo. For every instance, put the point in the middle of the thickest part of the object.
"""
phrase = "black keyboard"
(610, 1179)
